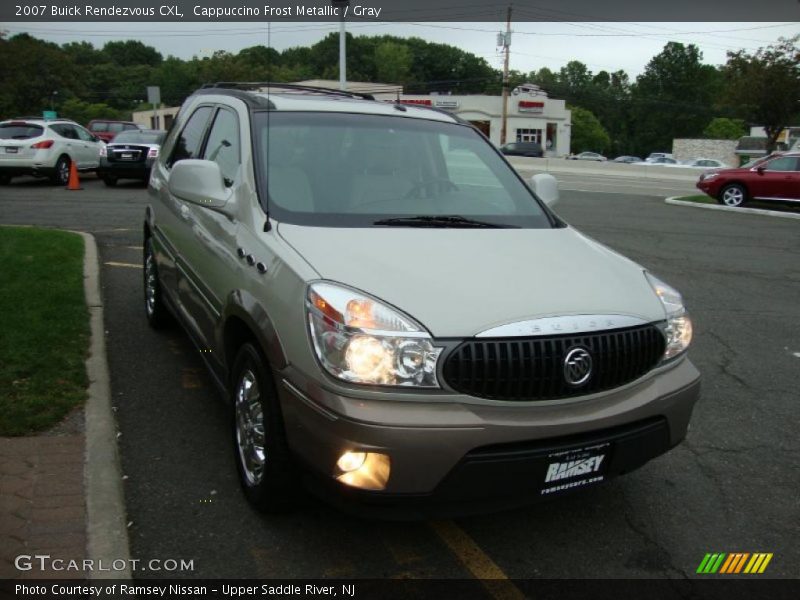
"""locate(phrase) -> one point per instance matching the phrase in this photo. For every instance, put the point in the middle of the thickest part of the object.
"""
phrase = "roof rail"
(38, 118)
(254, 85)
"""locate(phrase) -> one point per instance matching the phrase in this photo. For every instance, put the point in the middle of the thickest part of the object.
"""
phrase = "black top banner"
(397, 11)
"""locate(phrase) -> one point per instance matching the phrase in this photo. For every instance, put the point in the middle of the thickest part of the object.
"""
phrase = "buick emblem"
(577, 366)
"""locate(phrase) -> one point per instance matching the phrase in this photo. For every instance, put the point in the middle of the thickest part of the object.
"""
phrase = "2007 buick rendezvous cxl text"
(400, 323)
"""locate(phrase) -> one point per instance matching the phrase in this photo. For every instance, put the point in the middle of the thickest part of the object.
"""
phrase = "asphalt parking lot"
(731, 487)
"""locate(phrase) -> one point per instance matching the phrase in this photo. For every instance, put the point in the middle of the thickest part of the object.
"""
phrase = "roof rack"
(38, 118)
(254, 85)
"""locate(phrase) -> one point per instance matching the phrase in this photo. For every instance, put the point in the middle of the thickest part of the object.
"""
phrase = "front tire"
(156, 311)
(263, 458)
(109, 180)
(733, 195)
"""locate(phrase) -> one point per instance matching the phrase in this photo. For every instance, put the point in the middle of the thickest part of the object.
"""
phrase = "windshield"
(346, 170)
(755, 161)
(140, 137)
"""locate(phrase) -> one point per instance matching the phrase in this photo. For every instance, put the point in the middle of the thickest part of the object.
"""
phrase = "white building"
(532, 116)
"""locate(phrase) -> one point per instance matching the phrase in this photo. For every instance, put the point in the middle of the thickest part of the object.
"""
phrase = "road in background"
(730, 487)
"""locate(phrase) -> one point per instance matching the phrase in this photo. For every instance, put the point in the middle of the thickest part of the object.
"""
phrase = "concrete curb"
(676, 200)
(106, 528)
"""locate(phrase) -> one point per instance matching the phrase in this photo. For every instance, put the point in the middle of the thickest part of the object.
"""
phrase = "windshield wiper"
(455, 221)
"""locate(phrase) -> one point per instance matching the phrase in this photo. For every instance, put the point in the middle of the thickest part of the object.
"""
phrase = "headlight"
(707, 176)
(361, 340)
(678, 329)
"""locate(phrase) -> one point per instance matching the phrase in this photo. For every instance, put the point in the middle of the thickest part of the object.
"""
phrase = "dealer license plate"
(576, 468)
(11, 150)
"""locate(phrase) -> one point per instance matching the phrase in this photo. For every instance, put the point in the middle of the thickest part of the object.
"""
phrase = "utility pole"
(507, 47)
(342, 6)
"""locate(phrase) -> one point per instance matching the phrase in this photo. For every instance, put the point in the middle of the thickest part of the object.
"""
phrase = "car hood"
(460, 282)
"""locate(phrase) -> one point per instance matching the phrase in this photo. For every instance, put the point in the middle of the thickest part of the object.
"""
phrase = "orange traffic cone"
(74, 182)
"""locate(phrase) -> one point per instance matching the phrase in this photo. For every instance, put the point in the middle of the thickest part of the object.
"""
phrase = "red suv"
(106, 130)
(775, 177)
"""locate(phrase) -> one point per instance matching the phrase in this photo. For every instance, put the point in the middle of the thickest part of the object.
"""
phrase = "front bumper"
(453, 457)
(125, 170)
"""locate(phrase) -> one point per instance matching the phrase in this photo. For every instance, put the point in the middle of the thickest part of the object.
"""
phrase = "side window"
(784, 163)
(223, 144)
(65, 131)
(188, 143)
(102, 126)
(129, 127)
(84, 135)
(115, 127)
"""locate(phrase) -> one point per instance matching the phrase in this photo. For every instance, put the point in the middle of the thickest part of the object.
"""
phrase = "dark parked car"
(130, 155)
(522, 149)
(776, 177)
(106, 130)
(627, 159)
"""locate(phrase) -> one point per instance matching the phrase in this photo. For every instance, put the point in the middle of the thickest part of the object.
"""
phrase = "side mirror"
(760, 170)
(545, 186)
(199, 182)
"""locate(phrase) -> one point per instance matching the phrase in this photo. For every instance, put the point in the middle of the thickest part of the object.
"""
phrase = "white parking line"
(121, 264)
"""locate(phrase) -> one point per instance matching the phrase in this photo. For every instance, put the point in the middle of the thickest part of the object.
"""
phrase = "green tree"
(393, 62)
(83, 112)
(588, 133)
(132, 52)
(765, 86)
(673, 98)
(723, 128)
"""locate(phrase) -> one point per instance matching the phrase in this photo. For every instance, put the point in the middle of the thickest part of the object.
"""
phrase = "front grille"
(127, 153)
(533, 368)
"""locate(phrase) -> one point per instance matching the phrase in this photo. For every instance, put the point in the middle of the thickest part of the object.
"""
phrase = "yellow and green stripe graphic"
(734, 562)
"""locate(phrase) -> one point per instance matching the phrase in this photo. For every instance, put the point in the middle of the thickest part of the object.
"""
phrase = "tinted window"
(19, 131)
(65, 131)
(84, 135)
(99, 126)
(130, 126)
(115, 127)
(140, 137)
(188, 143)
(784, 163)
(223, 144)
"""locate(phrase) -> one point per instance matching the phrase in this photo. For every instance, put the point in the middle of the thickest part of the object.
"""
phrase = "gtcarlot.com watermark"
(44, 562)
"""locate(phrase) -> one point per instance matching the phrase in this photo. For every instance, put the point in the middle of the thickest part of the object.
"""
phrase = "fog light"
(350, 461)
(365, 470)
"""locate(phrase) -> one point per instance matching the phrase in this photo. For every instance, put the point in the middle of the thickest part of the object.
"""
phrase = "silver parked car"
(363, 280)
(588, 156)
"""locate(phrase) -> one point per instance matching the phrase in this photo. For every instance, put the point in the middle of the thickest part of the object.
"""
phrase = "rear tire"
(5, 179)
(61, 175)
(156, 311)
(733, 195)
(266, 468)
(110, 181)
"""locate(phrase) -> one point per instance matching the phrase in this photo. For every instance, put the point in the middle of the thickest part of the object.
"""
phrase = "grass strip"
(44, 328)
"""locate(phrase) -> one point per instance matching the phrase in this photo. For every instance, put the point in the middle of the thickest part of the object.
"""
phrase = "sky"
(601, 46)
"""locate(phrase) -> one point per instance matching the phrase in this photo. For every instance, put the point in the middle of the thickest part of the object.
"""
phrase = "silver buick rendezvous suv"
(399, 321)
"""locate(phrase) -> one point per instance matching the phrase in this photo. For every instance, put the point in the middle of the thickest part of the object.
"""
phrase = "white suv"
(46, 149)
